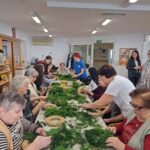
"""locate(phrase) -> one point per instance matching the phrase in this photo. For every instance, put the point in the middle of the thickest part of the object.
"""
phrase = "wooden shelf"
(2, 82)
(5, 64)
(4, 71)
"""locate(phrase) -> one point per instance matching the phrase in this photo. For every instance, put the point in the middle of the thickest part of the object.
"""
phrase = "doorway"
(103, 54)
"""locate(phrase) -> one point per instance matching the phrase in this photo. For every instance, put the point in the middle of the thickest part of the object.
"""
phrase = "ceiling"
(76, 18)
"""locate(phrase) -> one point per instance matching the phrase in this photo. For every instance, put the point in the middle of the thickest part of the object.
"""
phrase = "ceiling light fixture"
(133, 1)
(50, 35)
(105, 22)
(36, 19)
(94, 31)
(45, 30)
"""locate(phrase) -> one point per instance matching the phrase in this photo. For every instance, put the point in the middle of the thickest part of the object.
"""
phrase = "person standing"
(134, 67)
(79, 68)
(145, 75)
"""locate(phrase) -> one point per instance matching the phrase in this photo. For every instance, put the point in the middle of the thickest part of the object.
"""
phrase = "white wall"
(58, 50)
(26, 46)
(120, 41)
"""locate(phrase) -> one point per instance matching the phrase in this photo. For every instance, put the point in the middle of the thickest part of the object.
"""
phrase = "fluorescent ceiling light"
(45, 30)
(36, 19)
(133, 1)
(50, 35)
(94, 31)
(104, 23)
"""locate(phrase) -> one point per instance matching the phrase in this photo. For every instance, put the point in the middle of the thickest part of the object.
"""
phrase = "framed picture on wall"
(124, 54)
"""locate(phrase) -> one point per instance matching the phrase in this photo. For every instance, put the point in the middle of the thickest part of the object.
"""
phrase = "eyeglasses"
(136, 107)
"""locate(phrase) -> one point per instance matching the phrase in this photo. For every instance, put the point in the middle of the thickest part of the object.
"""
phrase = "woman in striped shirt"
(13, 126)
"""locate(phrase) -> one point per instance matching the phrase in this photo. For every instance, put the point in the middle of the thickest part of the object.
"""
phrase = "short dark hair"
(144, 94)
(9, 97)
(87, 65)
(48, 57)
(107, 71)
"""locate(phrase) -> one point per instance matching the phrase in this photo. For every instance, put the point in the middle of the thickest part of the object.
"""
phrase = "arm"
(82, 71)
(105, 100)
(114, 119)
(130, 66)
(29, 126)
(39, 143)
(38, 107)
(3, 143)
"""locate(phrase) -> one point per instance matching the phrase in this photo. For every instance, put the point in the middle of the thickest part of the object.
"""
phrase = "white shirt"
(120, 88)
(92, 85)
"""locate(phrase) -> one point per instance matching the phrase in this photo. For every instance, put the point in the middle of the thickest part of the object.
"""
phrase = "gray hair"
(9, 98)
(31, 72)
(19, 81)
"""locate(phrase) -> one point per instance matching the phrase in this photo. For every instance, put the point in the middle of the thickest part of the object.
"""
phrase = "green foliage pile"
(97, 137)
(65, 77)
(65, 139)
(29, 136)
(60, 96)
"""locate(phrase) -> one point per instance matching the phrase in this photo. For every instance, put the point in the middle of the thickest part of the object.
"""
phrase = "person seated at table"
(62, 70)
(78, 67)
(92, 80)
(97, 92)
(41, 80)
(134, 132)
(32, 74)
(20, 84)
(49, 67)
(118, 89)
(13, 125)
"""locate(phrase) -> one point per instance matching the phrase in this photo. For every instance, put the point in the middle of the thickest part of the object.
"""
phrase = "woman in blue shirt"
(79, 67)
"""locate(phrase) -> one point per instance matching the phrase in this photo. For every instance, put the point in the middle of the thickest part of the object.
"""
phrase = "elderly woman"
(21, 85)
(32, 74)
(63, 70)
(134, 132)
(13, 126)
(145, 76)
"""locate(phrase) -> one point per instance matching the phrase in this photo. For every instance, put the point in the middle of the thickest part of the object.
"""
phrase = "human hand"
(112, 129)
(40, 131)
(41, 104)
(86, 106)
(137, 67)
(116, 143)
(42, 97)
(74, 76)
(107, 120)
(87, 91)
(41, 142)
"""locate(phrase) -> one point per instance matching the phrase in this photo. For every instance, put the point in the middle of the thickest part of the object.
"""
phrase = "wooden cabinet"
(4, 75)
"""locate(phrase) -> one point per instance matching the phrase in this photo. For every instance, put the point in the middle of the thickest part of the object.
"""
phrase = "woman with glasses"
(134, 132)
(145, 76)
